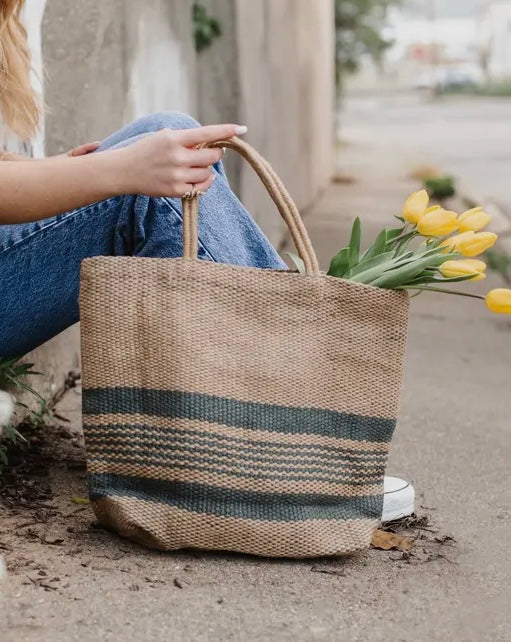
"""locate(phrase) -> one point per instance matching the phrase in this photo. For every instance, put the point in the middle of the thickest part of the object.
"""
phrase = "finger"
(195, 175)
(181, 189)
(91, 147)
(84, 149)
(208, 134)
(204, 186)
(77, 151)
(203, 157)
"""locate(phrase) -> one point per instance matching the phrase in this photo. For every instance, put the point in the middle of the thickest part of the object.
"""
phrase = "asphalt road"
(467, 137)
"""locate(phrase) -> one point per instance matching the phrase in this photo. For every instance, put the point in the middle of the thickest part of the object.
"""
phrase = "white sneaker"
(398, 499)
(6, 409)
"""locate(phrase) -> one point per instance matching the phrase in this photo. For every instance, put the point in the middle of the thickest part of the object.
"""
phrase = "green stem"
(403, 236)
(427, 289)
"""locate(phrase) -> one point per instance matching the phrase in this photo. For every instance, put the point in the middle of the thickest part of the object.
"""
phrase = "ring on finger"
(190, 193)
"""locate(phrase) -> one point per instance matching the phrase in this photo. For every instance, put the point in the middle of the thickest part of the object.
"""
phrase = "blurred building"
(431, 51)
(431, 46)
(494, 36)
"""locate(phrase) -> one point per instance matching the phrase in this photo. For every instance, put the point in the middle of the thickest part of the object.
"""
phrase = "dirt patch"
(428, 543)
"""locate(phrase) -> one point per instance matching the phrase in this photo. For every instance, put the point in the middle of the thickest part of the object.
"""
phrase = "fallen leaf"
(80, 500)
(386, 541)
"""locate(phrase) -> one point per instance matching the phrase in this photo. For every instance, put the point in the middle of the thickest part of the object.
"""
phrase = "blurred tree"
(359, 31)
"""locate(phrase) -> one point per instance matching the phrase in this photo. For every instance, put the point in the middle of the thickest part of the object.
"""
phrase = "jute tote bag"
(236, 408)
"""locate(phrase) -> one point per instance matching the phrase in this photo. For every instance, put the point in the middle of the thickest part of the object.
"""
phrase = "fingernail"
(240, 129)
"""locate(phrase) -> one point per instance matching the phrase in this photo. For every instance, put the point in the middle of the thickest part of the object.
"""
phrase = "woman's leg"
(40, 262)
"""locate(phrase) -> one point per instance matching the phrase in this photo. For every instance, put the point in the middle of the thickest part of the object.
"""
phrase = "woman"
(118, 197)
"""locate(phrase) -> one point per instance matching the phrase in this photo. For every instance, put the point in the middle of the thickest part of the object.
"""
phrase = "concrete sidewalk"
(452, 441)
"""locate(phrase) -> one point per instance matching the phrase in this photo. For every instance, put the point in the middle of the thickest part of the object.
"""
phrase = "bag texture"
(235, 408)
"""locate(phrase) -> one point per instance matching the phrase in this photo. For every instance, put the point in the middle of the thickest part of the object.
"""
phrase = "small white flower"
(6, 408)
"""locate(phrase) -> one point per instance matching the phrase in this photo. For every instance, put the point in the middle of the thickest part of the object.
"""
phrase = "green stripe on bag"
(231, 412)
(199, 462)
(202, 498)
(154, 434)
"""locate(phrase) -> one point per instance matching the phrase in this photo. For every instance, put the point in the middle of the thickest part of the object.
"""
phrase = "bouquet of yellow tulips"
(446, 254)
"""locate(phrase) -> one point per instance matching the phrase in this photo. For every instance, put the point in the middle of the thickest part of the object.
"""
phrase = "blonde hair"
(19, 105)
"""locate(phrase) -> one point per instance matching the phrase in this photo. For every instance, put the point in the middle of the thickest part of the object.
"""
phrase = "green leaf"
(437, 279)
(403, 242)
(80, 500)
(370, 263)
(378, 246)
(393, 233)
(398, 276)
(340, 264)
(375, 272)
(354, 246)
(300, 265)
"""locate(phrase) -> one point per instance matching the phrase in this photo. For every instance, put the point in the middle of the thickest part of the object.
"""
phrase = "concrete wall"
(109, 62)
(272, 69)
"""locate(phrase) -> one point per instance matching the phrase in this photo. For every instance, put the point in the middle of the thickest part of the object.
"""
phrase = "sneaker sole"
(398, 513)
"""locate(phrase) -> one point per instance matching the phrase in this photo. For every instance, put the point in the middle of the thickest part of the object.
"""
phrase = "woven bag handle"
(278, 194)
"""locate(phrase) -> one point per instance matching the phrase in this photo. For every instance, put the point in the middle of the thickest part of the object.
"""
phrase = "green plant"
(421, 254)
(358, 31)
(499, 262)
(440, 187)
(205, 27)
(13, 375)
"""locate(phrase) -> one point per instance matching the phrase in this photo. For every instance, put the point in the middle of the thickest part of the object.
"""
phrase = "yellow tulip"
(499, 301)
(439, 222)
(465, 267)
(477, 244)
(453, 243)
(473, 220)
(415, 206)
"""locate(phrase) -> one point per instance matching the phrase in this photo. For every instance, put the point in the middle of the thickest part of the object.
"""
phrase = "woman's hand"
(87, 148)
(168, 163)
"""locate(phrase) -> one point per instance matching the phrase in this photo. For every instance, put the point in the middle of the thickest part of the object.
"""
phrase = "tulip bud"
(477, 243)
(473, 220)
(467, 267)
(439, 222)
(452, 244)
(499, 301)
(415, 206)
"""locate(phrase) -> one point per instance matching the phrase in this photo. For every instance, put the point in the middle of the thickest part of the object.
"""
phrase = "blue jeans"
(40, 262)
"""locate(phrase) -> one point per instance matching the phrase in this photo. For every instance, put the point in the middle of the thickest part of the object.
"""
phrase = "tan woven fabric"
(236, 408)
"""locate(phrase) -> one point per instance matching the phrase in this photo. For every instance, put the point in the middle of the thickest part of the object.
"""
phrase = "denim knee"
(168, 119)
(147, 125)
